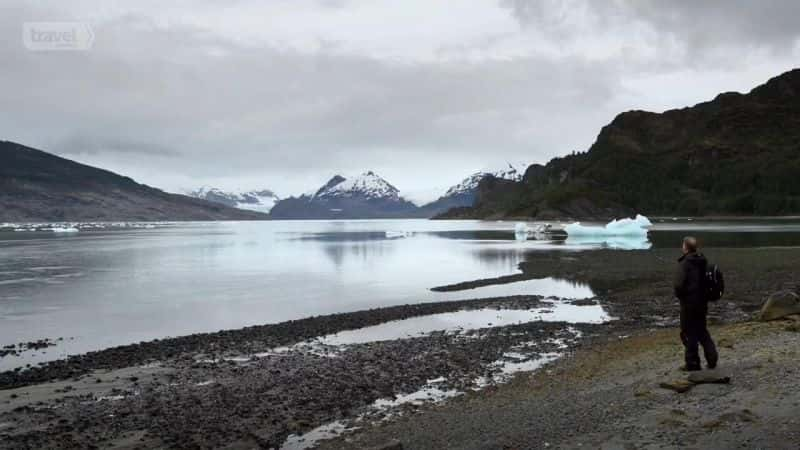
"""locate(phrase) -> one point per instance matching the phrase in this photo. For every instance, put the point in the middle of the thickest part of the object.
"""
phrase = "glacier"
(638, 226)
(260, 200)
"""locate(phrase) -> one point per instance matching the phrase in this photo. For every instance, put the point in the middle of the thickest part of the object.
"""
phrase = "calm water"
(102, 288)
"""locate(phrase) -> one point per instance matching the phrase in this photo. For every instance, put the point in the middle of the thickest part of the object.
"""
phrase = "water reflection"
(612, 242)
(467, 320)
(122, 286)
(361, 252)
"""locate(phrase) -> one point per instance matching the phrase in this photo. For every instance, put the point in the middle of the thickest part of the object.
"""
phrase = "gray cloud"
(701, 28)
(171, 100)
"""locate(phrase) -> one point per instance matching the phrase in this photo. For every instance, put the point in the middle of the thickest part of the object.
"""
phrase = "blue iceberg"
(638, 226)
(623, 234)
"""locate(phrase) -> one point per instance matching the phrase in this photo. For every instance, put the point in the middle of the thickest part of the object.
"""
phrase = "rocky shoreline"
(211, 389)
(609, 395)
(22, 347)
(242, 341)
(236, 389)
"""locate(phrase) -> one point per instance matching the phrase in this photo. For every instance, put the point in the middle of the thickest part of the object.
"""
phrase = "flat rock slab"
(709, 376)
(714, 376)
(679, 386)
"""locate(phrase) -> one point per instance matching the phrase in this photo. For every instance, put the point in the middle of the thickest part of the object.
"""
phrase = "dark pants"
(694, 332)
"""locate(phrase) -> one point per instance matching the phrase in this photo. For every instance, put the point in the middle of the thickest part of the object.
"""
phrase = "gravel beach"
(233, 389)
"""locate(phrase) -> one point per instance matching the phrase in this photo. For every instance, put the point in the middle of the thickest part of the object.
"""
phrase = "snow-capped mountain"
(362, 197)
(469, 184)
(256, 200)
(464, 193)
(367, 186)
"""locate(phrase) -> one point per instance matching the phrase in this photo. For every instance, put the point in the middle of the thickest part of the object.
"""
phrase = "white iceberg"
(521, 231)
(623, 227)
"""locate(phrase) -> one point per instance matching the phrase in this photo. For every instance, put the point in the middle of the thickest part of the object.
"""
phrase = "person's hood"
(693, 258)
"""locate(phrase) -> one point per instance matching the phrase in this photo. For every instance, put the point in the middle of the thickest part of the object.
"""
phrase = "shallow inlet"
(465, 320)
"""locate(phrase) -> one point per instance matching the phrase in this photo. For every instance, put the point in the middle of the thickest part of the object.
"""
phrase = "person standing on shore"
(691, 291)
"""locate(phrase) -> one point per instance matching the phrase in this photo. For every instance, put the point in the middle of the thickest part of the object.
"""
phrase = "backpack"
(715, 283)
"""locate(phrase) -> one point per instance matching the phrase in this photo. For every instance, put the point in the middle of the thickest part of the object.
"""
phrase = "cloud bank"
(284, 94)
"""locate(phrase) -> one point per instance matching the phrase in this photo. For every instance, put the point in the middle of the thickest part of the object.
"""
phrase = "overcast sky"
(283, 94)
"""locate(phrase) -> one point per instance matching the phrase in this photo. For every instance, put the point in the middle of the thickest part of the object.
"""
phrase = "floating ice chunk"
(623, 227)
(64, 230)
(521, 231)
(398, 234)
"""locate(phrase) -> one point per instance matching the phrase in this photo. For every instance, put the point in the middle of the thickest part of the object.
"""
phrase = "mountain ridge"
(465, 193)
(36, 186)
(366, 196)
(737, 154)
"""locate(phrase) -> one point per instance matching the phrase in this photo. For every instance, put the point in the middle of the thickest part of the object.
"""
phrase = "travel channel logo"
(57, 36)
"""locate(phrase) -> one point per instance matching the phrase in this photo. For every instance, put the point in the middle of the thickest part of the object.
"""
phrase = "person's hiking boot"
(685, 368)
(711, 366)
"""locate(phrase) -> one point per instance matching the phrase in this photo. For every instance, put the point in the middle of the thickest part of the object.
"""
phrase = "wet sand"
(198, 391)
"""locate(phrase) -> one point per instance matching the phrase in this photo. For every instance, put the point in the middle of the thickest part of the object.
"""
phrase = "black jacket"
(690, 279)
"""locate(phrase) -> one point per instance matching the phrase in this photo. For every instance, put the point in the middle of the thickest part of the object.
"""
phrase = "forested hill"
(738, 154)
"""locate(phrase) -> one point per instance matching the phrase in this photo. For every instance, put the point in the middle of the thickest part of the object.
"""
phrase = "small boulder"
(780, 304)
